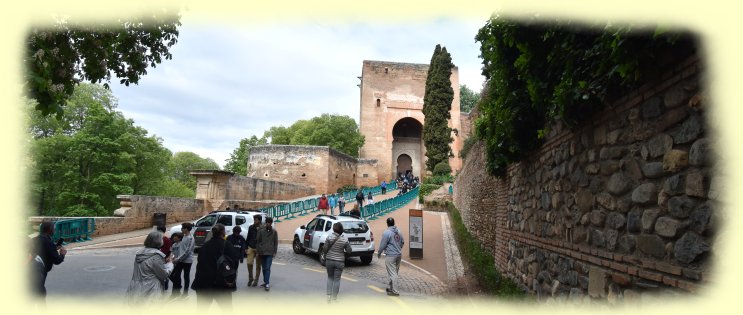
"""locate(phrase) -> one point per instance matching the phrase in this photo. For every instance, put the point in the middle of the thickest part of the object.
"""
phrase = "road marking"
(315, 270)
(375, 288)
(277, 263)
(349, 279)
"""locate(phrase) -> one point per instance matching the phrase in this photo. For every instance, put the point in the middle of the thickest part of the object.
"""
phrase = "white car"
(202, 226)
(311, 238)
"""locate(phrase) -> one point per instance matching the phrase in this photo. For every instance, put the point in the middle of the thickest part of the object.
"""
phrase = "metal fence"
(289, 211)
(73, 230)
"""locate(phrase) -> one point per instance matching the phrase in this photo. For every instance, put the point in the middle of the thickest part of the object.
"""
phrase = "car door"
(317, 234)
(308, 231)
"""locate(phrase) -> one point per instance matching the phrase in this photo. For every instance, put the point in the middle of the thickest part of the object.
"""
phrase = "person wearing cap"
(391, 244)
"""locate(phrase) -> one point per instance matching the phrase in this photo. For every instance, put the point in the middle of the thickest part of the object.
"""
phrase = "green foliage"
(442, 168)
(426, 190)
(467, 99)
(538, 73)
(58, 58)
(238, 161)
(181, 165)
(80, 162)
(481, 261)
(338, 132)
(438, 179)
(467, 146)
(436, 108)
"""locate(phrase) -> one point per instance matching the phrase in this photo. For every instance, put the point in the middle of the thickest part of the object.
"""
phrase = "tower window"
(385, 70)
(379, 102)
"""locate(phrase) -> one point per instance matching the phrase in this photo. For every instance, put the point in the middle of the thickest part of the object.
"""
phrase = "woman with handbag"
(335, 258)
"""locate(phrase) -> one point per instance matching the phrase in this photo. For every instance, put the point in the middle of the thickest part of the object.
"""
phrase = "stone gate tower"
(392, 120)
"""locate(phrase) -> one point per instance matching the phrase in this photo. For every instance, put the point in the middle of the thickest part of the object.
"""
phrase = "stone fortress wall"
(317, 168)
(624, 205)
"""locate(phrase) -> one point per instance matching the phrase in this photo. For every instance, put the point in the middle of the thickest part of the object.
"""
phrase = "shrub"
(442, 168)
(438, 180)
(481, 261)
(467, 146)
(347, 188)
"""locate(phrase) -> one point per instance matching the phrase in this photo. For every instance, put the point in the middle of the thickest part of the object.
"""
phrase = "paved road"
(105, 273)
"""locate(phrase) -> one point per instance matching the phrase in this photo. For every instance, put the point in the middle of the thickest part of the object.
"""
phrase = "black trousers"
(176, 276)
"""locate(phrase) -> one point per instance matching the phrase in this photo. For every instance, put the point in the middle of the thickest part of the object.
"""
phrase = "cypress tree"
(436, 108)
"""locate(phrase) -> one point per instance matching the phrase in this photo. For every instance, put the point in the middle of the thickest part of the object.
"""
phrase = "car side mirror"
(302, 227)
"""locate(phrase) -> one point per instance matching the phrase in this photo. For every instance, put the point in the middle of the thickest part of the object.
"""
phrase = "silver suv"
(202, 226)
(311, 238)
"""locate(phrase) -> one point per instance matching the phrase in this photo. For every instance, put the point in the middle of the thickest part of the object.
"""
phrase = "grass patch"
(481, 261)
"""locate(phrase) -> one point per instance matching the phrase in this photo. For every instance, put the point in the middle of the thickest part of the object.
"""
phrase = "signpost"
(416, 233)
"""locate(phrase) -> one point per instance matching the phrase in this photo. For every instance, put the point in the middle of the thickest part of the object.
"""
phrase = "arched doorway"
(407, 147)
(404, 164)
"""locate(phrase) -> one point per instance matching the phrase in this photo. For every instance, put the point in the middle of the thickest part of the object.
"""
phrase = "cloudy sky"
(227, 82)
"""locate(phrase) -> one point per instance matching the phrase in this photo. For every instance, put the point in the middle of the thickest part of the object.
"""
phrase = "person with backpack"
(360, 199)
(267, 244)
(335, 260)
(167, 243)
(215, 271)
(391, 245)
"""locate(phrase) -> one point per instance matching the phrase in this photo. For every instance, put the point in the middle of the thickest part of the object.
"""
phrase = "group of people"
(168, 259)
(326, 203)
(216, 265)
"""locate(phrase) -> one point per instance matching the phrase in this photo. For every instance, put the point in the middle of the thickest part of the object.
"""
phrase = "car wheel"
(366, 259)
(321, 253)
(297, 246)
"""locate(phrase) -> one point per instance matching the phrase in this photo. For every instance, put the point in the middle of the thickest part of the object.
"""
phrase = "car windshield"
(354, 227)
(207, 220)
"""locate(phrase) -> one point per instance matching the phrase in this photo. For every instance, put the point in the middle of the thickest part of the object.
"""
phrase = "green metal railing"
(289, 211)
(73, 230)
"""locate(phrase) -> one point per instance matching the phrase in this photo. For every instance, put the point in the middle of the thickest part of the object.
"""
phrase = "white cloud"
(228, 82)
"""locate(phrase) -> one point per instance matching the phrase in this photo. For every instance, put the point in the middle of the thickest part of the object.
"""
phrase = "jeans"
(335, 269)
(393, 266)
(176, 277)
(253, 259)
(266, 261)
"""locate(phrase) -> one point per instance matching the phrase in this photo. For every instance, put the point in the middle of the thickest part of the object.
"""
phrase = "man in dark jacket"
(50, 254)
(209, 283)
(252, 252)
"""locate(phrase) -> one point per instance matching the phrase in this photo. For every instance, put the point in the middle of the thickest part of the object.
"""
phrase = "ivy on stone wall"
(538, 73)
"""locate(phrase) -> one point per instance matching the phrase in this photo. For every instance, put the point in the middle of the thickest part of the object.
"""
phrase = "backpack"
(360, 196)
(227, 269)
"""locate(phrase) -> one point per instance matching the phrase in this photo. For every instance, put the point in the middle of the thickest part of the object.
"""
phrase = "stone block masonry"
(619, 206)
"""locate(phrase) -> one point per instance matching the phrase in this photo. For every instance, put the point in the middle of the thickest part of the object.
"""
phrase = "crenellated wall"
(624, 205)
